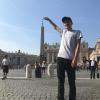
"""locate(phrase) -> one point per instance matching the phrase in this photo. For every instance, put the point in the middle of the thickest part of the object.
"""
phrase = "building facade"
(96, 52)
(51, 50)
(19, 59)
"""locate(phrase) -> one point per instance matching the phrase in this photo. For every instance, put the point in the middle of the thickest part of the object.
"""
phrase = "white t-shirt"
(5, 62)
(68, 43)
(92, 63)
(43, 65)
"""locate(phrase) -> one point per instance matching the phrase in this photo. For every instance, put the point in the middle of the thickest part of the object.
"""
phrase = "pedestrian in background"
(5, 66)
(43, 67)
(67, 56)
(93, 68)
(38, 73)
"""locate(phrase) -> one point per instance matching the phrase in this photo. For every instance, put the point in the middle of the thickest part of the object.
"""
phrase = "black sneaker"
(3, 78)
(58, 98)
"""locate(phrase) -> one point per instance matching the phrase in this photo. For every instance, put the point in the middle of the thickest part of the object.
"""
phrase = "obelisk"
(42, 43)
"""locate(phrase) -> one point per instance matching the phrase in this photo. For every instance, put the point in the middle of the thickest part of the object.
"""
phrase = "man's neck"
(69, 29)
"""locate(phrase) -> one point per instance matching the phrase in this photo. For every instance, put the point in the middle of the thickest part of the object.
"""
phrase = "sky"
(20, 22)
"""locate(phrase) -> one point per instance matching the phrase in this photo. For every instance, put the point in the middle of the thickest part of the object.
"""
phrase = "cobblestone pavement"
(45, 88)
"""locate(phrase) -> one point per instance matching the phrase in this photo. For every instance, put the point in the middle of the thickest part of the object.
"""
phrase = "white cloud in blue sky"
(20, 22)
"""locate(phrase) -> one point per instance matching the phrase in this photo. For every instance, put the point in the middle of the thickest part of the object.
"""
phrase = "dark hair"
(5, 56)
(64, 19)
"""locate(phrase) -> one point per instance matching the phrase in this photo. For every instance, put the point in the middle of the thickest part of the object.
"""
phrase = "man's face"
(67, 24)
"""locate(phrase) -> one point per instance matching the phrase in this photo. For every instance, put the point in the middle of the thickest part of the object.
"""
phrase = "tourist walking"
(5, 66)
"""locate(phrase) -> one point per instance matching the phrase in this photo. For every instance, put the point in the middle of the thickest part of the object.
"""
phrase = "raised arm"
(53, 24)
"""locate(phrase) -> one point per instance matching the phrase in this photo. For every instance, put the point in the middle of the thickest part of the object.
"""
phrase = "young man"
(67, 56)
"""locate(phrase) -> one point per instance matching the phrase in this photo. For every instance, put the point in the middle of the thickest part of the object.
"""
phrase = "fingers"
(73, 65)
(46, 18)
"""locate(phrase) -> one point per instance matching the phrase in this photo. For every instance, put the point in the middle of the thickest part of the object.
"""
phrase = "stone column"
(53, 57)
(48, 57)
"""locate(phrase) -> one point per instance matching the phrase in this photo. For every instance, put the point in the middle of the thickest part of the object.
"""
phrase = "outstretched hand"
(46, 18)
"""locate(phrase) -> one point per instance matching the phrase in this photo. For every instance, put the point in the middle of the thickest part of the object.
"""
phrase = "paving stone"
(45, 88)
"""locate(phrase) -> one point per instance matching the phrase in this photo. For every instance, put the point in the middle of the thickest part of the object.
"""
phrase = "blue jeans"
(62, 66)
